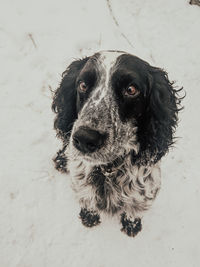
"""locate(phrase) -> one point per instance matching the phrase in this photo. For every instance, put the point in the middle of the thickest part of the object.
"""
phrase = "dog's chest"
(107, 188)
(111, 189)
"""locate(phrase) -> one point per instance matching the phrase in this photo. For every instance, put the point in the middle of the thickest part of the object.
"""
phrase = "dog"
(116, 115)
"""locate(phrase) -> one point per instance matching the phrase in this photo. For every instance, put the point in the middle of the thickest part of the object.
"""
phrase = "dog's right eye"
(82, 87)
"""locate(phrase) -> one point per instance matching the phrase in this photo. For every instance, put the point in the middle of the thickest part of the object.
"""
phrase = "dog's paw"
(89, 218)
(60, 161)
(131, 228)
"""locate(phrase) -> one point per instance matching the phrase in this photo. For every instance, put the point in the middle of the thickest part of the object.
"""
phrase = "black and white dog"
(116, 116)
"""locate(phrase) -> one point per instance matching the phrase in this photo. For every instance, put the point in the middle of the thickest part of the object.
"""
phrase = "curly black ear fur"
(157, 126)
(64, 100)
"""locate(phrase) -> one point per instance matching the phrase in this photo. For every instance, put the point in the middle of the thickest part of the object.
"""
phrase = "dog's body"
(116, 115)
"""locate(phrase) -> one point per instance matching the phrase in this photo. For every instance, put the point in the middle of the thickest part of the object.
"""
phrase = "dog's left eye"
(131, 91)
(83, 87)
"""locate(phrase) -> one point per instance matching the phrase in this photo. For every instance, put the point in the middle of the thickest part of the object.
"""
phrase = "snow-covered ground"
(39, 223)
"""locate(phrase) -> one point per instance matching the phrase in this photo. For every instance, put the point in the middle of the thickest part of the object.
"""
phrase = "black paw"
(89, 218)
(60, 161)
(131, 228)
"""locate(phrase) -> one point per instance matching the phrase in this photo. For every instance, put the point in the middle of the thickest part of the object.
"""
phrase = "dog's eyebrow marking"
(107, 61)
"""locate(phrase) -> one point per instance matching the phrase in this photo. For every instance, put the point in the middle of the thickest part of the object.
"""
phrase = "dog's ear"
(64, 100)
(159, 121)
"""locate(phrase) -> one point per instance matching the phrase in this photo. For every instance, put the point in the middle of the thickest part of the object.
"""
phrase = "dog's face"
(110, 98)
(118, 104)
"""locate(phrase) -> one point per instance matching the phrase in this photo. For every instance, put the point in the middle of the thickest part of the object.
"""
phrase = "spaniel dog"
(116, 116)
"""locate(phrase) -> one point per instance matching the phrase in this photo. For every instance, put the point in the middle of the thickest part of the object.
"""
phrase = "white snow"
(39, 223)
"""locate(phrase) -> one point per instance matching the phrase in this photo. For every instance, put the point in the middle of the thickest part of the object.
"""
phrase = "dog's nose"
(87, 140)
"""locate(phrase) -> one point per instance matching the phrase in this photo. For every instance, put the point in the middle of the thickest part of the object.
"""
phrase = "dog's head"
(114, 103)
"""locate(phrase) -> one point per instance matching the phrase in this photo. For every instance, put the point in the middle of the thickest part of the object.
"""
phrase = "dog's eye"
(131, 91)
(83, 87)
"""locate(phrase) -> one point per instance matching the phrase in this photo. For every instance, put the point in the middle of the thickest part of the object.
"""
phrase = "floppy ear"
(64, 100)
(158, 124)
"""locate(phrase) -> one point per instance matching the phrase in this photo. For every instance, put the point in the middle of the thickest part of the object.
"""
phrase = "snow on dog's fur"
(116, 115)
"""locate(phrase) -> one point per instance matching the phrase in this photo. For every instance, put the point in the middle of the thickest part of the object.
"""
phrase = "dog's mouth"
(113, 166)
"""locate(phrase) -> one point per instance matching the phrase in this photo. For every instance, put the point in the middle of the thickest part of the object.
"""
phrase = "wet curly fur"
(113, 138)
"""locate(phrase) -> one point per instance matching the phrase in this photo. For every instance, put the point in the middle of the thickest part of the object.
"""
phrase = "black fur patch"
(97, 180)
(89, 218)
(60, 160)
(155, 108)
(131, 228)
(64, 100)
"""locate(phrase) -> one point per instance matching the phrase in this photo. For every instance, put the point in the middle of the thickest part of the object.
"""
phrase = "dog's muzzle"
(88, 140)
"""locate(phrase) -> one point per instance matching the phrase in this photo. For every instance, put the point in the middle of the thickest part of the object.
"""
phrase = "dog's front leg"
(88, 214)
(130, 225)
(89, 218)
(142, 192)
(82, 184)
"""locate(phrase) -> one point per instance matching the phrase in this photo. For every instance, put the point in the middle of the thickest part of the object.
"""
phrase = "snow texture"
(39, 223)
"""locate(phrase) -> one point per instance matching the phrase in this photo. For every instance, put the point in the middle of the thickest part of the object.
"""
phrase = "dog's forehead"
(108, 58)
(104, 62)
